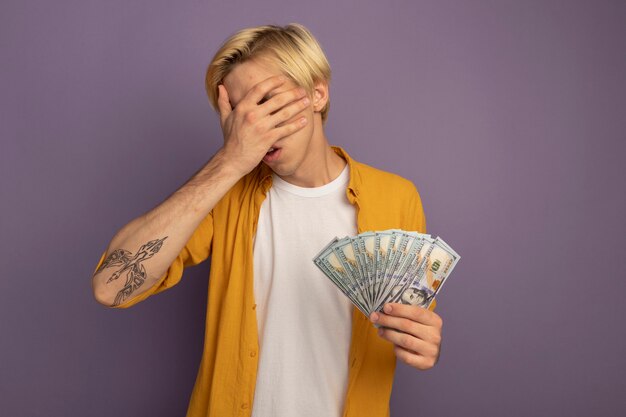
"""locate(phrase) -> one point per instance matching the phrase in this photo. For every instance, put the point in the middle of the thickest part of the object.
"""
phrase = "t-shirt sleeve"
(196, 250)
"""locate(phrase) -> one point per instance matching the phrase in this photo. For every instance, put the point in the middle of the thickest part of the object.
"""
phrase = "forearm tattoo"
(131, 265)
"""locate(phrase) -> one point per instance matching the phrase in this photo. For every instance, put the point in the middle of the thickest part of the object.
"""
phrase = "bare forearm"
(142, 250)
(146, 247)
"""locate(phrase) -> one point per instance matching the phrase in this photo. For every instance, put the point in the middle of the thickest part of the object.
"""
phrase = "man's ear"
(320, 96)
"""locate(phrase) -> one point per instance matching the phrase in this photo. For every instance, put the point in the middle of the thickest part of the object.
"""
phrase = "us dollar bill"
(393, 265)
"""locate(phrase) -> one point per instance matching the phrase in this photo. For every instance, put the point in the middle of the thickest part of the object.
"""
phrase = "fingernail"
(374, 317)
(387, 308)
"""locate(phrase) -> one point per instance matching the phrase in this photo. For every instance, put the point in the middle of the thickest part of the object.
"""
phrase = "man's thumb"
(222, 103)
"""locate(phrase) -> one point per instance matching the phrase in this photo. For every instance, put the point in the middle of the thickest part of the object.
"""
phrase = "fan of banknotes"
(374, 268)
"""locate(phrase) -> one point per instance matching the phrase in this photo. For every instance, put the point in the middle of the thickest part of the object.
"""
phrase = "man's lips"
(274, 147)
(272, 156)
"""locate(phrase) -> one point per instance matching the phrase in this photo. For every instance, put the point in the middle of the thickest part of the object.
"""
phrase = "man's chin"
(280, 169)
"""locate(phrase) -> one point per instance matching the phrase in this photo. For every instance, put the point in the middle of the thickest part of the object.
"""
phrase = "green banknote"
(394, 265)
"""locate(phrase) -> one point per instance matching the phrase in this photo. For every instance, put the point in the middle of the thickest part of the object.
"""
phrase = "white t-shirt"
(304, 321)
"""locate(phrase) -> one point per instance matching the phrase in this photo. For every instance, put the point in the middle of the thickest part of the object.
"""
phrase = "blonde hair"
(293, 48)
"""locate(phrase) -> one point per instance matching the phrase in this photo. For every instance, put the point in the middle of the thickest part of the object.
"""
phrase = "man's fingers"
(414, 313)
(275, 104)
(287, 113)
(285, 130)
(417, 361)
(223, 103)
(408, 342)
(402, 324)
(256, 93)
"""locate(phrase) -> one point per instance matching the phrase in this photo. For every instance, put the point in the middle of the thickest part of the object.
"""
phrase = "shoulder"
(391, 201)
(377, 182)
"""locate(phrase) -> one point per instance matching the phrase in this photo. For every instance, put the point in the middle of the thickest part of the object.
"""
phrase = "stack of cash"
(397, 266)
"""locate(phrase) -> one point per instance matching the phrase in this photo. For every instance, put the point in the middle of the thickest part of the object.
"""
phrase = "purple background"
(510, 117)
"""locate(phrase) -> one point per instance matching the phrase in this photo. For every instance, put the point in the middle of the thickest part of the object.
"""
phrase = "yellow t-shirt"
(226, 379)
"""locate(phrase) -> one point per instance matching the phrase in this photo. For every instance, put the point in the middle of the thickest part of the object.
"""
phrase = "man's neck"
(321, 166)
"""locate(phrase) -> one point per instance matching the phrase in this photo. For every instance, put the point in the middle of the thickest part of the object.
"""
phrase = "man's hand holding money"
(415, 332)
(393, 276)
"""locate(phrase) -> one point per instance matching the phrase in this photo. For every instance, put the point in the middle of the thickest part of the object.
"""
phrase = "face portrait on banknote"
(414, 296)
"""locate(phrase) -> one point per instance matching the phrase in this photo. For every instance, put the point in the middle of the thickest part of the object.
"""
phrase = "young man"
(280, 339)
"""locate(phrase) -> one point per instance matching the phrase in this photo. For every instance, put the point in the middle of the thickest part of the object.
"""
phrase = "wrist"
(227, 165)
